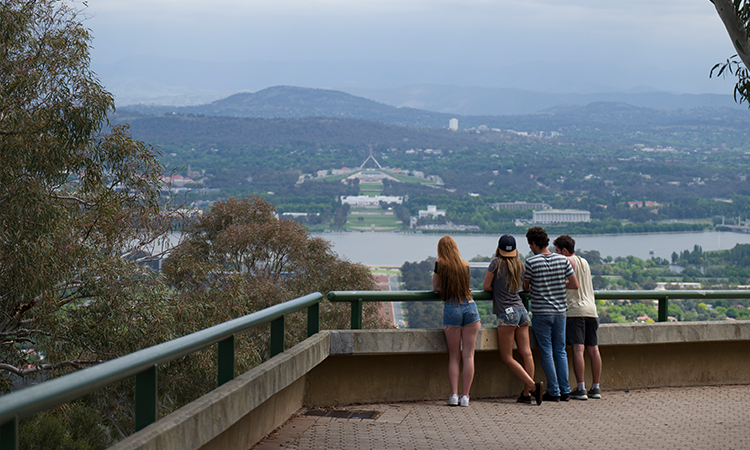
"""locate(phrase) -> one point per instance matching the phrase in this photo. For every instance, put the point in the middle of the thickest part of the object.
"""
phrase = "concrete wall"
(344, 367)
(242, 411)
(403, 365)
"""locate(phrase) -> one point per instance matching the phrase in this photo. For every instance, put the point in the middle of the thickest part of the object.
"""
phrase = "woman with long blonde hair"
(503, 279)
(460, 316)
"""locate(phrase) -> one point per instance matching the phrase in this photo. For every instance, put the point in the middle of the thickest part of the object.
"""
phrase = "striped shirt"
(547, 275)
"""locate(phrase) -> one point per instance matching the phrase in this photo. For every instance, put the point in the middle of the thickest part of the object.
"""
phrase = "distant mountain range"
(478, 101)
(440, 87)
(290, 102)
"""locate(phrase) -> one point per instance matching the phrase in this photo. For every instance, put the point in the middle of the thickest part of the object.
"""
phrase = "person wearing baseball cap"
(503, 279)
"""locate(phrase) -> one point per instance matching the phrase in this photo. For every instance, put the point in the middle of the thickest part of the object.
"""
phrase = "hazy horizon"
(164, 48)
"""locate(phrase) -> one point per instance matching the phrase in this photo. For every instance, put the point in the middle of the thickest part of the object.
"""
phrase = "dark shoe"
(595, 393)
(550, 398)
(579, 394)
(537, 394)
(524, 398)
(565, 397)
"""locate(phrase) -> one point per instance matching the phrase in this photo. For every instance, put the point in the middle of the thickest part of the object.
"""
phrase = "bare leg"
(524, 349)
(469, 339)
(453, 339)
(579, 364)
(505, 336)
(596, 363)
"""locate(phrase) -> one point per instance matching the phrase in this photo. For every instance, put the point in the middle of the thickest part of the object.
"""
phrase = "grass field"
(386, 221)
(371, 187)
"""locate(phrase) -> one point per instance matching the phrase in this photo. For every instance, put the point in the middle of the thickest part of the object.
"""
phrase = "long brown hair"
(513, 267)
(453, 272)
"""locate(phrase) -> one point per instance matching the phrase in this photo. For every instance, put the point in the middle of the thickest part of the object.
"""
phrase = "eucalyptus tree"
(239, 257)
(735, 15)
(77, 197)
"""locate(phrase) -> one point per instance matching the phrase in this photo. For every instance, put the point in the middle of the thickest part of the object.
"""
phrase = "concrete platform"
(704, 417)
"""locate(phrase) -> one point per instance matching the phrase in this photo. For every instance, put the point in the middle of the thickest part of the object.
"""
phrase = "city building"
(561, 216)
(431, 211)
(520, 205)
(453, 124)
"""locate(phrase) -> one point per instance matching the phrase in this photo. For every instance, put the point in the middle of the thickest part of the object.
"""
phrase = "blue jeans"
(549, 331)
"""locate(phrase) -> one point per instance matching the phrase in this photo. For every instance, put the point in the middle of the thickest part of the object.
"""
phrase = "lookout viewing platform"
(664, 385)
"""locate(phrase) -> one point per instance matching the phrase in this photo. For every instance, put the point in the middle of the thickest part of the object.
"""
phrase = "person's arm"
(487, 284)
(572, 282)
(526, 285)
(435, 282)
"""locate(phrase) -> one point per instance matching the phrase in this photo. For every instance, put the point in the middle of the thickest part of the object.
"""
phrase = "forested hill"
(295, 103)
(298, 133)
(597, 122)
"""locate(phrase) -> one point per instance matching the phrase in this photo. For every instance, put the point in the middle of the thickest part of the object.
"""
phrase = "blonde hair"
(453, 272)
(513, 267)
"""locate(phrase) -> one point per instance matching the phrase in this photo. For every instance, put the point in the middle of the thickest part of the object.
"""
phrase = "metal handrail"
(356, 298)
(25, 402)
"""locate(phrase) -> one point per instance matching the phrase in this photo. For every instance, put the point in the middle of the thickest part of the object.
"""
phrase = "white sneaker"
(464, 400)
(453, 400)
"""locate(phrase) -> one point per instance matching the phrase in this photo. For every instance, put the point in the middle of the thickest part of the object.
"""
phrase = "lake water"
(393, 249)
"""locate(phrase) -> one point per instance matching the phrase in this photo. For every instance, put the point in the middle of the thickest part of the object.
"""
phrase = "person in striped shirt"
(547, 275)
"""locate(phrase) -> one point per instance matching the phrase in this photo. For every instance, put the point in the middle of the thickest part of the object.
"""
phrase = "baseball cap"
(507, 246)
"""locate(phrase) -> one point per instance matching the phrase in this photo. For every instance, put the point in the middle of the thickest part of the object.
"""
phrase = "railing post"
(226, 360)
(146, 404)
(357, 314)
(277, 336)
(525, 299)
(9, 435)
(313, 319)
(663, 309)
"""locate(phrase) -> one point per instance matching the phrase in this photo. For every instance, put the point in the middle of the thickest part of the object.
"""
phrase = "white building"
(453, 124)
(431, 211)
(364, 200)
(561, 216)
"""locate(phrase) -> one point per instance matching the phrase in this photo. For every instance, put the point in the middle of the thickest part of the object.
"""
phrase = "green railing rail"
(357, 298)
(143, 365)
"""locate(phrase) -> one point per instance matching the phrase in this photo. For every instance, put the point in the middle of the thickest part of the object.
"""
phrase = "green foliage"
(424, 314)
(735, 14)
(417, 276)
(75, 200)
(74, 426)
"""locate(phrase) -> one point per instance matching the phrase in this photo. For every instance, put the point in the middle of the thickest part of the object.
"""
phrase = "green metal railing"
(357, 298)
(143, 365)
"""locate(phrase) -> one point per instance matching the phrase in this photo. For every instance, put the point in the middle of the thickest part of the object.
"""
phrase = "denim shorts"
(460, 314)
(514, 319)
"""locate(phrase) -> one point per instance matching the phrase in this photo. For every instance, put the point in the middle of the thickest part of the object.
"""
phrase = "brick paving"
(705, 417)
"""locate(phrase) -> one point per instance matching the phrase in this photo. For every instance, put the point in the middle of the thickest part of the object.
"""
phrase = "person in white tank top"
(582, 323)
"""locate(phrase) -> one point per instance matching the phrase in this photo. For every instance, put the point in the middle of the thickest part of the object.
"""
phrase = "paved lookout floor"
(707, 417)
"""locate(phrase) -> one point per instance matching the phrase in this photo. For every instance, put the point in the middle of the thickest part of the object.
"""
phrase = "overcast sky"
(676, 40)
